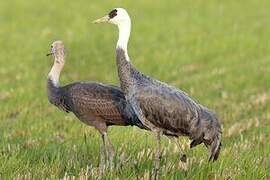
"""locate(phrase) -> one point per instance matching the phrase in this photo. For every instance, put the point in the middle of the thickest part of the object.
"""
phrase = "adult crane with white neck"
(95, 104)
(162, 108)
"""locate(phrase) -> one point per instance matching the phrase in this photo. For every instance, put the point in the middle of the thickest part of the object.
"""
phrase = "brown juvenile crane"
(162, 108)
(95, 104)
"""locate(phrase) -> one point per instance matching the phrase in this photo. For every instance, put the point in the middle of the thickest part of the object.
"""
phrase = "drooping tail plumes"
(211, 133)
(215, 147)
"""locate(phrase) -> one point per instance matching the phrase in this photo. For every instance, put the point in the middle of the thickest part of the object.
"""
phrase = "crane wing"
(167, 108)
(95, 99)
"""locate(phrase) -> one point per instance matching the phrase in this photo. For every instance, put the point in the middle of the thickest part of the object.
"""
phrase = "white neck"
(55, 72)
(124, 32)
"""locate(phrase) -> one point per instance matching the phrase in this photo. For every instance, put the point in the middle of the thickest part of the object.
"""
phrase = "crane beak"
(101, 20)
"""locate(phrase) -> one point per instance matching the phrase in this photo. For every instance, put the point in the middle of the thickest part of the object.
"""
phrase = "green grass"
(217, 51)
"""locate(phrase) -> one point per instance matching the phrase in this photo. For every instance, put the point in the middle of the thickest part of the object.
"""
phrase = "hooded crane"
(95, 104)
(162, 108)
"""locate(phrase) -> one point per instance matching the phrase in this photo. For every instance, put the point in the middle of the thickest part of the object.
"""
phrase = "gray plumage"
(163, 107)
(89, 101)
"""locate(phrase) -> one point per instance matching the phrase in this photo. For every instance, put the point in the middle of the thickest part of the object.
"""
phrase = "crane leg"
(106, 151)
(110, 151)
(157, 156)
(102, 156)
(183, 156)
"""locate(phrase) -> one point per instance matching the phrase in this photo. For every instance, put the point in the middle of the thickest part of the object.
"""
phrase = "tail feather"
(215, 148)
(212, 133)
(216, 139)
(196, 142)
(132, 119)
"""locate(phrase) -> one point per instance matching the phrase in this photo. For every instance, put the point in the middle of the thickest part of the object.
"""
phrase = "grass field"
(217, 51)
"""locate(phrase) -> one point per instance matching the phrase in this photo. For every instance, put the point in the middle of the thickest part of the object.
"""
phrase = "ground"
(216, 51)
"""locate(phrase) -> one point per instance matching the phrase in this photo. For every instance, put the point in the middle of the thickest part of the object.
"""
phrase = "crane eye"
(113, 13)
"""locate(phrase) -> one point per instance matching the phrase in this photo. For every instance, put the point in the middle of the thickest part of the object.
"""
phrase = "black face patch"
(113, 13)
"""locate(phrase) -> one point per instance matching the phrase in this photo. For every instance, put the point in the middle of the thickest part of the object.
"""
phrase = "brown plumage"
(95, 104)
(92, 100)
